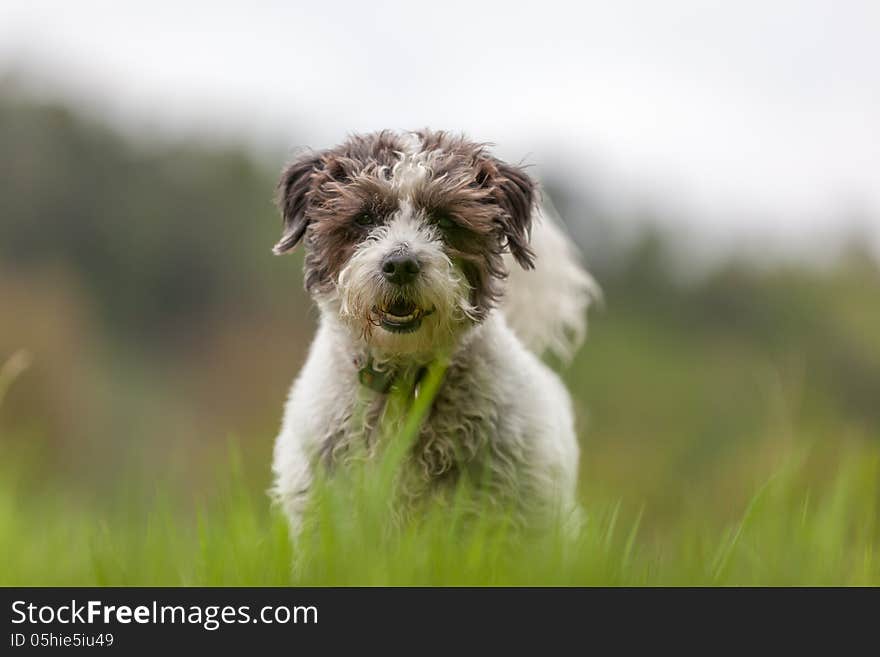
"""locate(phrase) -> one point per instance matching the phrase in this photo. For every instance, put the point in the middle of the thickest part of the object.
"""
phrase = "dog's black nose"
(400, 269)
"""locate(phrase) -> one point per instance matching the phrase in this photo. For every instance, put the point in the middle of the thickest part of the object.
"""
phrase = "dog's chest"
(461, 429)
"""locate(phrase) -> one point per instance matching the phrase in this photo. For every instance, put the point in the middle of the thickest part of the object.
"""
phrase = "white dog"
(419, 247)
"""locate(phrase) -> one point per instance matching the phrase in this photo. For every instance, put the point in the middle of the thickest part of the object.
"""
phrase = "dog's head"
(405, 233)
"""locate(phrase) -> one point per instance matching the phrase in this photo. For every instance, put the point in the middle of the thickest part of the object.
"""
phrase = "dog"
(420, 247)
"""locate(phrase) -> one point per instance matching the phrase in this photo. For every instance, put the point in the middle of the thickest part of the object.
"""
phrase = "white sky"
(750, 118)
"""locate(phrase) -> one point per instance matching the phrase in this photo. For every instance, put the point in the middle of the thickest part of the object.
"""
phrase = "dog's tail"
(547, 306)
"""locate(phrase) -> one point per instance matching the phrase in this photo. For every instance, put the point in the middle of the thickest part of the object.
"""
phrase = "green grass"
(788, 533)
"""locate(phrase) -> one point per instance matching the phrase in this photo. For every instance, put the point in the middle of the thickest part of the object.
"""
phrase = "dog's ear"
(292, 196)
(515, 193)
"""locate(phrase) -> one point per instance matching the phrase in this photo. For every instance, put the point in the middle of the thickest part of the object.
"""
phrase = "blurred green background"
(136, 281)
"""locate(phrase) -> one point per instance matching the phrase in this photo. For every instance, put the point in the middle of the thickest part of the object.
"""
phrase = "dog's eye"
(443, 219)
(365, 219)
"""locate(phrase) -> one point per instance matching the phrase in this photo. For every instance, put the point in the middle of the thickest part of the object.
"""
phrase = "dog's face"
(405, 233)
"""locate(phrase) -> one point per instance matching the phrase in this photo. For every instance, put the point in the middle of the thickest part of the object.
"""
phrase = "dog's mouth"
(401, 316)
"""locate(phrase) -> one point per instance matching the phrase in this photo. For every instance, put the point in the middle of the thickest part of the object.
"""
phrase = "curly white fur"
(499, 405)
